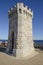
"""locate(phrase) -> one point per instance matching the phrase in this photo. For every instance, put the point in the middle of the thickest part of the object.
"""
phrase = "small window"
(20, 11)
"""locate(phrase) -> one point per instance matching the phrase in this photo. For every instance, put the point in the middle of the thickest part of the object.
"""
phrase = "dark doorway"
(13, 44)
(12, 40)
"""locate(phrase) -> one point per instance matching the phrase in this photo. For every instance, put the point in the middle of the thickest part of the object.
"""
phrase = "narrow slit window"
(20, 11)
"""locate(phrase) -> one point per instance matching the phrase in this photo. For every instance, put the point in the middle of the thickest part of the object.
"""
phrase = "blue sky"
(35, 5)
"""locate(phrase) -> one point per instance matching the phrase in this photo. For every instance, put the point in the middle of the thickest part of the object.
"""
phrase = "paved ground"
(6, 59)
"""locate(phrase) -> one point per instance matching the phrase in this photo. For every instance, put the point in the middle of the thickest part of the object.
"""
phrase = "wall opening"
(12, 40)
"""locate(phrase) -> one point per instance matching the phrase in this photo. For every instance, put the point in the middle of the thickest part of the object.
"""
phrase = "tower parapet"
(22, 7)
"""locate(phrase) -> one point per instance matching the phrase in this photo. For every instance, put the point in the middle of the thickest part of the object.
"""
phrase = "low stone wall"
(3, 44)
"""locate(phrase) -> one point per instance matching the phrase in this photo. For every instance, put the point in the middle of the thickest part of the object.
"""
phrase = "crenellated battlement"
(25, 6)
(22, 7)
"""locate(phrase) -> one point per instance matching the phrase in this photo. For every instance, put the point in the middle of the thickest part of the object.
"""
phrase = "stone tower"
(20, 30)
